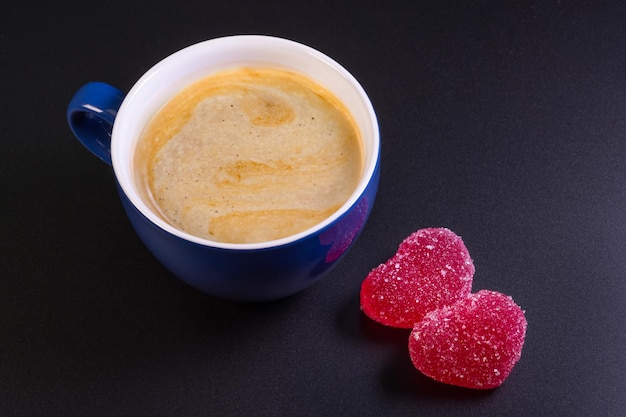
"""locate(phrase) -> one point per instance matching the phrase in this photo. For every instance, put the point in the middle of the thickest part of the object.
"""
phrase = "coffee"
(249, 155)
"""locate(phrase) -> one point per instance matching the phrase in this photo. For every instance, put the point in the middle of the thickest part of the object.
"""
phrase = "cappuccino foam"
(250, 155)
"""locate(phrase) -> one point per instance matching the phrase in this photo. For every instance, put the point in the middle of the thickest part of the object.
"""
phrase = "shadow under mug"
(109, 123)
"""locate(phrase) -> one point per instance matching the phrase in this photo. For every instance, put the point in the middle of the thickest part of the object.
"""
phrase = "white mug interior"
(175, 72)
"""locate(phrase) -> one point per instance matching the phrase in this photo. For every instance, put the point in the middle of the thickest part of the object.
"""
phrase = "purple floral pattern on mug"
(342, 234)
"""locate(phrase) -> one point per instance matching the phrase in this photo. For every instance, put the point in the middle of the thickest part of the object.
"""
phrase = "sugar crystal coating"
(474, 343)
(432, 268)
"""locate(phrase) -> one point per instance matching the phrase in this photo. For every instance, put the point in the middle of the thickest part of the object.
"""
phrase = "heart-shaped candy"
(474, 343)
(432, 268)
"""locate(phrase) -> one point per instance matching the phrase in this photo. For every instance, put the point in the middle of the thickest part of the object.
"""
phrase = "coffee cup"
(110, 124)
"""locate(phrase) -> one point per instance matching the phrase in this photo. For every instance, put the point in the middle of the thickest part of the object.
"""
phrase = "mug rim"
(122, 162)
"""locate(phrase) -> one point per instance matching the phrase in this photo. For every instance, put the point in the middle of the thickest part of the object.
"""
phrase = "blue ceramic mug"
(109, 123)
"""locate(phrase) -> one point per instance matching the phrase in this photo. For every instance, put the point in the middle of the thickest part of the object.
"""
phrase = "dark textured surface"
(503, 123)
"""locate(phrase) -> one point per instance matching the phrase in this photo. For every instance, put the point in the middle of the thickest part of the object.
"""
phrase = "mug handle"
(91, 114)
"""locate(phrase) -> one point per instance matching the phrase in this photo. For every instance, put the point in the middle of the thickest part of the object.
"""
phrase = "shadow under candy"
(396, 375)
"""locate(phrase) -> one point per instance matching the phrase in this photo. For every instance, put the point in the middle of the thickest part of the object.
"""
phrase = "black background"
(503, 121)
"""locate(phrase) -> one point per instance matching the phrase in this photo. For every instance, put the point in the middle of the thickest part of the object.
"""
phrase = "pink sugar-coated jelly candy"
(432, 268)
(474, 343)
